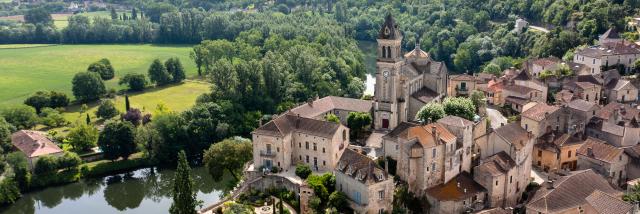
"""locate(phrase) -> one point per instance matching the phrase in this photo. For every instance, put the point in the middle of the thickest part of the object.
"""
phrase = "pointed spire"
(417, 42)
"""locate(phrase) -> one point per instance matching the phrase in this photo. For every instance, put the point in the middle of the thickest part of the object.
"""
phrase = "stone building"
(585, 90)
(496, 174)
(618, 124)
(369, 188)
(34, 144)
(461, 85)
(404, 83)
(557, 151)
(620, 90)
(578, 192)
(536, 66)
(290, 139)
(340, 106)
(607, 55)
(459, 195)
(605, 159)
(542, 118)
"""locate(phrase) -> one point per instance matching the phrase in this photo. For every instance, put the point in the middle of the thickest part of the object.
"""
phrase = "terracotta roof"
(539, 112)
(585, 85)
(522, 90)
(34, 143)
(417, 53)
(608, 50)
(425, 95)
(590, 78)
(455, 121)
(288, 123)
(496, 165)
(600, 150)
(401, 128)
(618, 84)
(545, 62)
(318, 107)
(514, 134)
(425, 134)
(569, 192)
(360, 167)
(564, 96)
(516, 100)
(451, 192)
(581, 105)
(625, 111)
(554, 141)
(462, 77)
(497, 210)
(605, 203)
(484, 77)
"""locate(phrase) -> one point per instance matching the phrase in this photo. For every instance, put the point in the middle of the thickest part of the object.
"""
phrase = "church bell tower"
(387, 107)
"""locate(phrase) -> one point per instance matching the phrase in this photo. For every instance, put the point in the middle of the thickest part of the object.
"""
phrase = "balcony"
(462, 90)
(267, 154)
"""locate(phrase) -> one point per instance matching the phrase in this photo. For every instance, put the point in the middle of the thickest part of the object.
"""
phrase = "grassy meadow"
(28, 68)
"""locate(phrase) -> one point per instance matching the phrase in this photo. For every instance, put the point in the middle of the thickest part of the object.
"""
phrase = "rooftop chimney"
(590, 152)
(297, 121)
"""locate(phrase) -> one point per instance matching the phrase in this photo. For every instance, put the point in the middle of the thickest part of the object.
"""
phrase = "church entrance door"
(385, 123)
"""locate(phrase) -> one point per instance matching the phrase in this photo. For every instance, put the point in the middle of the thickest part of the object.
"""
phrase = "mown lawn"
(24, 71)
(175, 97)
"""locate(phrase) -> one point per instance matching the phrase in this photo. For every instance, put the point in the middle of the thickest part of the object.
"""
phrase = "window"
(569, 154)
(324, 163)
(307, 159)
(300, 157)
(396, 146)
(433, 166)
(433, 152)
(381, 211)
(496, 183)
(539, 153)
(306, 145)
(323, 150)
(381, 194)
(344, 135)
(299, 145)
(277, 149)
(315, 148)
(384, 52)
(620, 158)
(510, 179)
(526, 127)
(268, 148)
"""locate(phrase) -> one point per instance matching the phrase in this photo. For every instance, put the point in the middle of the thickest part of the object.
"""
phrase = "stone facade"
(607, 160)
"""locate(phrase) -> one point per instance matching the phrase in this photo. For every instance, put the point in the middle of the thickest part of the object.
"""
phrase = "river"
(141, 191)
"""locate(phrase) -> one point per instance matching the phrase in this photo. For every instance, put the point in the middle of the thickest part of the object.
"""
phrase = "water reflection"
(141, 191)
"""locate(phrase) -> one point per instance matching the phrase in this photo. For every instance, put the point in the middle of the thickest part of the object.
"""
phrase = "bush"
(69, 160)
(431, 113)
(52, 118)
(88, 86)
(303, 171)
(21, 116)
(109, 167)
(45, 165)
(103, 68)
(22, 175)
(107, 110)
(135, 82)
(338, 200)
(133, 115)
(9, 191)
(83, 137)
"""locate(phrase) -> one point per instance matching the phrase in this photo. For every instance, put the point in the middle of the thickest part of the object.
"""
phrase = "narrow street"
(497, 119)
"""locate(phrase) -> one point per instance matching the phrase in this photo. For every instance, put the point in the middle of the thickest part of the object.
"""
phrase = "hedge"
(101, 168)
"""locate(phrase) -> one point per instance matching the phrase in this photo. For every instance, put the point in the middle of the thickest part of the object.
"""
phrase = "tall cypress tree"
(88, 119)
(114, 15)
(126, 103)
(134, 14)
(184, 199)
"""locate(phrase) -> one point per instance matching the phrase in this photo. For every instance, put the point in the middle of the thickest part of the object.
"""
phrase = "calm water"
(140, 191)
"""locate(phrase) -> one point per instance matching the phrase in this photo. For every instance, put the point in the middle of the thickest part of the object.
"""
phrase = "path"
(538, 28)
(497, 119)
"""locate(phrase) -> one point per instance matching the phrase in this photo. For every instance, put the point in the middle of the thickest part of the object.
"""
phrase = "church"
(404, 83)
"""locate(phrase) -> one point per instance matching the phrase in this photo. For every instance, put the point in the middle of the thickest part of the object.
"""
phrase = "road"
(496, 118)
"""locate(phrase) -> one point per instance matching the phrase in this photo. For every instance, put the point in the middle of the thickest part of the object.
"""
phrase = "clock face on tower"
(385, 74)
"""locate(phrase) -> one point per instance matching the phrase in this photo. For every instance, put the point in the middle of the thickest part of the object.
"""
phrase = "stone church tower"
(404, 83)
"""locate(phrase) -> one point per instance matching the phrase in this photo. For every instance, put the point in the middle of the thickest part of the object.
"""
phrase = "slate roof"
(497, 164)
(626, 111)
(399, 129)
(516, 100)
(608, 50)
(360, 167)
(456, 121)
(602, 202)
(539, 112)
(318, 107)
(34, 143)
(569, 192)
(618, 84)
(546, 62)
(564, 96)
(600, 150)
(612, 33)
(581, 105)
(425, 95)
(513, 133)
(451, 192)
(522, 90)
(462, 77)
(287, 123)
(393, 31)
(417, 53)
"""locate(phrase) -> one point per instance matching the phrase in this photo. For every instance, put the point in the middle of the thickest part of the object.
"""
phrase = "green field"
(176, 98)
(62, 20)
(24, 71)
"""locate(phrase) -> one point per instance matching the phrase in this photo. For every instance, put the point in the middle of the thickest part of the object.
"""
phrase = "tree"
(184, 198)
(82, 137)
(135, 82)
(88, 120)
(38, 15)
(88, 86)
(338, 200)
(230, 155)
(633, 195)
(332, 118)
(117, 139)
(430, 112)
(175, 69)
(127, 105)
(20, 165)
(134, 116)
(58, 99)
(5, 134)
(52, 118)
(358, 121)
(158, 74)
(21, 116)
(69, 160)
(45, 165)
(114, 14)
(102, 67)
(303, 171)
(134, 14)
(107, 110)
(478, 99)
(459, 106)
(39, 100)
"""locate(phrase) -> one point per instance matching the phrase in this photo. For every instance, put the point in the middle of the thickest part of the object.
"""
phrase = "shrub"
(21, 116)
(431, 113)
(133, 115)
(303, 171)
(338, 200)
(135, 82)
(88, 86)
(69, 160)
(9, 191)
(107, 110)
(102, 67)
(109, 167)
(82, 137)
(45, 165)
(52, 118)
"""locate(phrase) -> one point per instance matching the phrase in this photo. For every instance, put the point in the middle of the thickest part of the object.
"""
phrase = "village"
(577, 154)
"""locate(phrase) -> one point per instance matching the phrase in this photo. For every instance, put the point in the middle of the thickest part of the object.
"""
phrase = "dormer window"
(361, 175)
(350, 170)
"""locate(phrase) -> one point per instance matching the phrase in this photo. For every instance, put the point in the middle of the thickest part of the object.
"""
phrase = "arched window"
(388, 51)
(384, 52)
